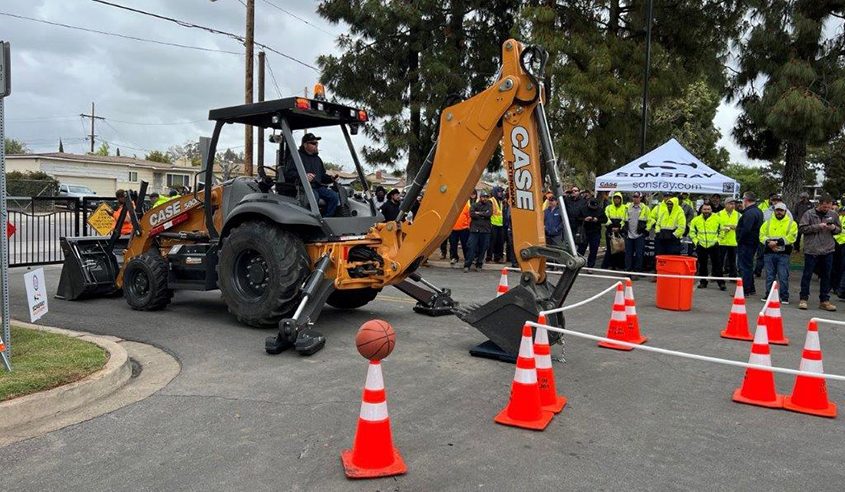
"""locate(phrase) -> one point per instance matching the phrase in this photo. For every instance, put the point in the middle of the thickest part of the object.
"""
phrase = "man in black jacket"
(315, 171)
(390, 209)
(479, 231)
(748, 239)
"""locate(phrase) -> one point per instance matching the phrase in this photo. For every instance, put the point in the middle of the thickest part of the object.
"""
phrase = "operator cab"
(286, 181)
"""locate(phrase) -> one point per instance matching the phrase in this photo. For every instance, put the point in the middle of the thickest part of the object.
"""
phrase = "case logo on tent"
(607, 184)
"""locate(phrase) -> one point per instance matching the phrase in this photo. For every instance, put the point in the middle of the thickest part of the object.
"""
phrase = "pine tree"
(61, 147)
(803, 100)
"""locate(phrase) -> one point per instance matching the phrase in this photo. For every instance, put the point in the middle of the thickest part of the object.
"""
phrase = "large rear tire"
(351, 299)
(145, 283)
(261, 271)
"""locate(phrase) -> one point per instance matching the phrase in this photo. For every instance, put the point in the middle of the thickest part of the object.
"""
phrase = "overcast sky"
(155, 96)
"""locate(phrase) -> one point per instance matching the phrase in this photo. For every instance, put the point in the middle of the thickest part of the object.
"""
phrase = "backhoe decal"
(522, 178)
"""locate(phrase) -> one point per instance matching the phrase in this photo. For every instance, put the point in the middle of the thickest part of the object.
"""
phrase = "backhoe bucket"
(90, 268)
(501, 320)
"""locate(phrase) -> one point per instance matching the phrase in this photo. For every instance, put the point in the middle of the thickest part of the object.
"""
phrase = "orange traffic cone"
(810, 393)
(503, 283)
(737, 327)
(758, 387)
(524, 409)
(631, 319)
(549, 398)
(774, 321)
(372, 454)
(617, 328)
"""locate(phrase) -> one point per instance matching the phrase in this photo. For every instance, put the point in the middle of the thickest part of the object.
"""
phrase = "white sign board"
(36, 293)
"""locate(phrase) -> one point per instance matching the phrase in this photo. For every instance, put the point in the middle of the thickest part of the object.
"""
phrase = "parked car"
(78, 192)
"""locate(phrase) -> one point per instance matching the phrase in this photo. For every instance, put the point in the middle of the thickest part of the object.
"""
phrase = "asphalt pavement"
(236, 418)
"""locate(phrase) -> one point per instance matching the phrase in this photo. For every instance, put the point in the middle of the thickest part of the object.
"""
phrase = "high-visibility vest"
(127, 221)
(840, 238)
(674, 220)
(784, 228)
(162, 199)
(705, 232)
(613, 212)
(496, 219)
(463, 219)
(728, 235)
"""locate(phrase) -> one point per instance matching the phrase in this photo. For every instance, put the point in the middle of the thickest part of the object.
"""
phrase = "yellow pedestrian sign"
(101, 220)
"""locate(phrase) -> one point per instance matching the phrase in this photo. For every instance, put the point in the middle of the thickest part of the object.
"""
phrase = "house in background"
(387, 180)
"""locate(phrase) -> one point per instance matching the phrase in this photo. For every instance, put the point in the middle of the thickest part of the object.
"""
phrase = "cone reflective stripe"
(549, 399)
(503, 283)
(809, 395)
(372, 454)
(617, 328)
(524, 409)
(632, 321)
(758, 387)
(774, 321)
(737, 327)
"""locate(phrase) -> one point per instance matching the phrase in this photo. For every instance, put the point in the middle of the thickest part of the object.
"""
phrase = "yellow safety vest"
(496, 219)
(705, 232)
(728, 235)
(840, 238)
(785, 229)
(661, 218)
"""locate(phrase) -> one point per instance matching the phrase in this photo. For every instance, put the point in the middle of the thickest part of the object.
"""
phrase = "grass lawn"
(42, 360)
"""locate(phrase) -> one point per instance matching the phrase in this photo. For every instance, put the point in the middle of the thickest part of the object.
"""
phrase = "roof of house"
(101, 159)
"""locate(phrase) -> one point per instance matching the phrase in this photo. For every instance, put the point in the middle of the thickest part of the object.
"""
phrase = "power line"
(299, 18)
(46, 118)
(212, 30)
(273, 77)
(124, 36)
(175, 123)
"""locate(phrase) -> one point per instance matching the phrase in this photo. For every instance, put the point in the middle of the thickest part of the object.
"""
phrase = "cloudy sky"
(152, 95)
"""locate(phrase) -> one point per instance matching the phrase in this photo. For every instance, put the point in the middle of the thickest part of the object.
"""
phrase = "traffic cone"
(758, 387)
(774, 321)
(503, 283)
(372, 454)
(549, 399)
(617, 328)
(524, 409)
(631, 319)
(737, 327)
(810, 393)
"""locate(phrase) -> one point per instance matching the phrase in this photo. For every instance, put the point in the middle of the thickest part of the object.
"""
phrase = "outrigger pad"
(89, 269)
(502, 319)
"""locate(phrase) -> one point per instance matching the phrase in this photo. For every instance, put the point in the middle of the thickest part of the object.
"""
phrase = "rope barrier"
(581, 303)
(828, 321)
(643, 274)
(686, 355)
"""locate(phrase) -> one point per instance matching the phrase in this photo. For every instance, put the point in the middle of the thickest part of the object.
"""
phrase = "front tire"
(261, 271)
(145, 283)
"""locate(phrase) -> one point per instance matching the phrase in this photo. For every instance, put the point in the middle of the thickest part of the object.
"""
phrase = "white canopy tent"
(669, 167)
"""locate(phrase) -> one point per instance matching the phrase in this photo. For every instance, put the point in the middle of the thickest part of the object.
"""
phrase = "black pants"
(593, 240)
(497, 244)
(728, 254)
(706, 257)
(460, 236)
(758, 260)
(615, 261)
(478, 242)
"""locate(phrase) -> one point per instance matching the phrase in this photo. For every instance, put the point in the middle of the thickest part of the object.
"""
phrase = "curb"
(54, 402)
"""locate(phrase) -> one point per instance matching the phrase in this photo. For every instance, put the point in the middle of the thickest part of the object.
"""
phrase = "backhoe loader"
(277, 260)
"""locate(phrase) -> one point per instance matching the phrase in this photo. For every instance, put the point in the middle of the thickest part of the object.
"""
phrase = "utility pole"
(646, 75)
(249, 44)
(93, 117)
(261, 56)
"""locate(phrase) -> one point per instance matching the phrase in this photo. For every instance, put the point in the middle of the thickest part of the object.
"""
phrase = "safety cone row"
(524, 408)
(758, 387)
(737, 327)
(503, 283)
(372, 454)
(549, 399)
(774, 320)
(621, 326)
(809, 395)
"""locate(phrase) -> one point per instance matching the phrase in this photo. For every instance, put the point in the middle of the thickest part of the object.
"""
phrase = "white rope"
(581, 303)
(593, 275)
(686, 355)
(642, 274)
(769, 297)
(828, 321)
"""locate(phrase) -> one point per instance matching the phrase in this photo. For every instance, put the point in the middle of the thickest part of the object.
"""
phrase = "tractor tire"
(351, 299)
(145, 283)
(261, 271)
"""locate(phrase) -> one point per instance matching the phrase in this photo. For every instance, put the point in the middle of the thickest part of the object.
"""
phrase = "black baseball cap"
(310, 137)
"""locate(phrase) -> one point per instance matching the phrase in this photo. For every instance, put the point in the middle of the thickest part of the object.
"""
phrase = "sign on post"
(102, 220)
(5, 69)
(36, 294)
(5, 90)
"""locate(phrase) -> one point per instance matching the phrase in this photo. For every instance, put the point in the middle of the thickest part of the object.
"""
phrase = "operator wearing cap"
(777, 236)
(315, 171)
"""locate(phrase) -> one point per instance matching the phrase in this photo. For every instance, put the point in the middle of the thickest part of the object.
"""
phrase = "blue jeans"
(777, 268)
(810, 262)
(634, 249)
(745, 257)
(328, 196)
(478, 242)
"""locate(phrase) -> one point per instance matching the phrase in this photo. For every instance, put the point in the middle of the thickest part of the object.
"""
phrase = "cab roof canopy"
(300, 113)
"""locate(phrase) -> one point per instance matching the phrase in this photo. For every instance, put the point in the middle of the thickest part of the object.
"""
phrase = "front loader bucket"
(501, 320)
(90, 268)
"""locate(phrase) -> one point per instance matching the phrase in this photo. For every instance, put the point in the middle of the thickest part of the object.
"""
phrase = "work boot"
(702, 285)
(802, 304)
(466, 270)
(722, 286)
(827, 306)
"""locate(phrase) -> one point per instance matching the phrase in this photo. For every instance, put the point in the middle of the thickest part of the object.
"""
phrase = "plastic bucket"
(675, 294)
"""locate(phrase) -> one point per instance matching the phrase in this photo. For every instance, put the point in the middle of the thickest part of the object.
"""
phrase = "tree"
(158, 156)
(755, 179)
(422, 51)
(331, 166)
(61, 147)
(103, 149)
(594, 78)
(803, 100)
(831, 158)
(190, 150)
(117, 152)
(15, 146)
(229, 163)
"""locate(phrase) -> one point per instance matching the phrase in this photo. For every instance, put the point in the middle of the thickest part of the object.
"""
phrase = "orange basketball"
(375, 339)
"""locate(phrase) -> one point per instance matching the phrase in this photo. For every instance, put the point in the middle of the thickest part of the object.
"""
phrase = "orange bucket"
(675, 294)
